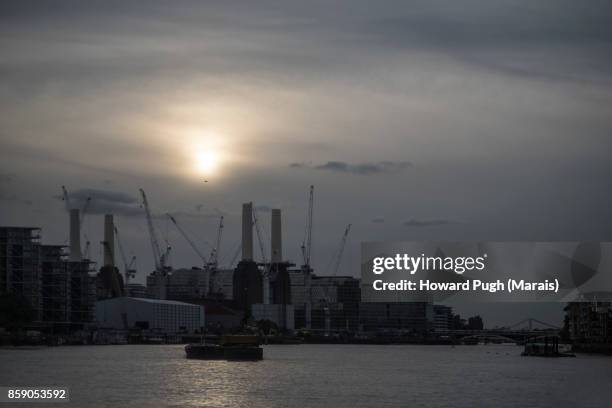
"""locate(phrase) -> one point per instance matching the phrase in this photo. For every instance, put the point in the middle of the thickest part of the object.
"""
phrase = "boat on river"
(234, 347)
(546, 346)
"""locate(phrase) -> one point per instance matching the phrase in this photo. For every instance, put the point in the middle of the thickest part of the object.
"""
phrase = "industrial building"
(164, 316)
(109, 281)
(136, 290)
(181, 284)
(279, 291)
(281, 315)
(224, 289)
(219, 316)
(276, 290)
(247, 279)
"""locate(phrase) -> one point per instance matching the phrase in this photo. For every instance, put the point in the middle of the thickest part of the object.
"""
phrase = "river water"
(313, 376)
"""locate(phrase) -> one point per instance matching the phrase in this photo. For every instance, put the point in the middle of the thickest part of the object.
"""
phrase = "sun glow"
(206, 162)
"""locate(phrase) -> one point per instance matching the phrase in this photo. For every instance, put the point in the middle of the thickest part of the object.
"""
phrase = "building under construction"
(59, 289)
(325, 303)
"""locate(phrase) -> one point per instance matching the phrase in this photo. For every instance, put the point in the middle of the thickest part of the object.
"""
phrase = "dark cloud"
(201, 214)
(413, 222)
(363, 169)
(105, 202)
(103, 195)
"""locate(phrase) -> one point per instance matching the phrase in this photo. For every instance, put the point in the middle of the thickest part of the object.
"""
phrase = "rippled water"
(314, 376)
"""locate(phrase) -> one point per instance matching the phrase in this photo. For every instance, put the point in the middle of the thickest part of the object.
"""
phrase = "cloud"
(413, 222)
(378, 220)
(105, 202)
(201, 213)
(361, 169)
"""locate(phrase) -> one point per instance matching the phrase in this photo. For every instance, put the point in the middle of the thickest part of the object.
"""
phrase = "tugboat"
(235, 347)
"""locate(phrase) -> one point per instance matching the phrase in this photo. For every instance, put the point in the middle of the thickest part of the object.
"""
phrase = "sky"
(414, 120)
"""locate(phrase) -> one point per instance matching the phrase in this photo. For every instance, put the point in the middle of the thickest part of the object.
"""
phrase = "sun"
(206, 162)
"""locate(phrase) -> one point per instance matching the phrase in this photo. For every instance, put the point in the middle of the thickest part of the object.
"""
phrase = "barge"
(237, 347)
(546, 346)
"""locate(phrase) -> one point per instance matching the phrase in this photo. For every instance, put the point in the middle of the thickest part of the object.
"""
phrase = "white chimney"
(75, 236)
(277, 239)
(109, 240)
(247, 231)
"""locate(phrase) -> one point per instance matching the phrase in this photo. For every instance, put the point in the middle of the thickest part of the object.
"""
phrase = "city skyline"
(414, 121)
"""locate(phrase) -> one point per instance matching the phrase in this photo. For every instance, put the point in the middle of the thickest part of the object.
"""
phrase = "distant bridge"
(530, 321)
(516, 332)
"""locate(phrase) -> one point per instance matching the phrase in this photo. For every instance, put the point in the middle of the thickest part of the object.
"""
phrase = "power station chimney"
(247, 231)
(109, 240)
(277, 239)
(75, 236)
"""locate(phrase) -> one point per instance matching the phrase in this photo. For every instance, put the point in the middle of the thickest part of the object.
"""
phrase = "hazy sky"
(456, 120)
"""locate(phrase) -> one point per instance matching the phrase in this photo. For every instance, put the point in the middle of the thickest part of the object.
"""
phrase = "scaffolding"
(20, 264)
(60, 292)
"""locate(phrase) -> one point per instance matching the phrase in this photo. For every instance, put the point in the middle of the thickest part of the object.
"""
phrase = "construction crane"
(307, 243)
(189, 240)
(306, 252)
(83, 212)
(65, 198)
(341, 249)
(129, 272)
(260, 239)
(267, 266)
(214, 254)
(234, 257)
(213, 262)
(158, 257)
(337, 260)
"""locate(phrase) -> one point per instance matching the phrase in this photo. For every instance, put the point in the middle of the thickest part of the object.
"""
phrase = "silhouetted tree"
(267, 326)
